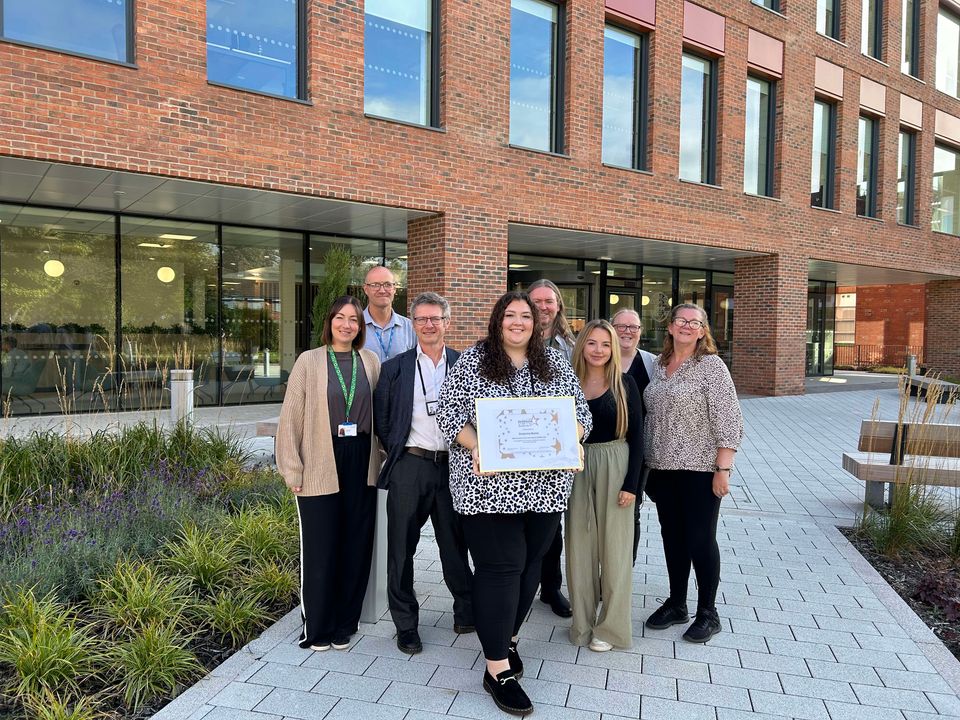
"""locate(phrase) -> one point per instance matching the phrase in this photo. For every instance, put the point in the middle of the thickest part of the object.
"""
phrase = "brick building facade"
(466, 193)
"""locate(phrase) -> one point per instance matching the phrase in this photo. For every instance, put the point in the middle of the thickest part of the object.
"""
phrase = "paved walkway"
(810, 629)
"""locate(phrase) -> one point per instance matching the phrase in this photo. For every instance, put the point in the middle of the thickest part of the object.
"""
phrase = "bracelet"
(717, 468)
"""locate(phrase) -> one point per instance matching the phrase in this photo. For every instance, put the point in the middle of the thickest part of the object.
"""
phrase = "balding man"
(388, 333)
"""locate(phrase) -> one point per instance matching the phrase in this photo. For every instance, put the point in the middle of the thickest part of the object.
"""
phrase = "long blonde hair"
(705, 345)
(612, 371)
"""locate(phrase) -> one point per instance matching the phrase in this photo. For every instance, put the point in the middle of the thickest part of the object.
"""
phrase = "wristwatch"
(717, 468)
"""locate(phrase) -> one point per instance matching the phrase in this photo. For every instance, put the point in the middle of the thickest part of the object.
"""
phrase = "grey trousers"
(420, 489)
(600, 547)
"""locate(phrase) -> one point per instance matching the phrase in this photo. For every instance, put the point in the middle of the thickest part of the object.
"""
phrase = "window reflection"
(867, 168)
(696, 119)
(57, 310)
(945, 207)
(252, 44)
(533, 71)
(758, 153)
(397, 58)
(948, 52)
(821, 174)
(89, 27)
(871, 35)
(655, 304)
(168, 307)
(905, 178)
(621, 97)
(910, 47)
(828, 20)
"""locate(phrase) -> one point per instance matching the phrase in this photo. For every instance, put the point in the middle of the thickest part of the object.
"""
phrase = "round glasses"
(683, 322)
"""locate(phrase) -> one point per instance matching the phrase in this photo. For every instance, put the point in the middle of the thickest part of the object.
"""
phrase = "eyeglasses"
(433, 320)
(627, 328)
(380, 285)
(683, 322)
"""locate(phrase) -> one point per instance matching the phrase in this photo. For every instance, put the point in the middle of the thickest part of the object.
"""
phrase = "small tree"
(336, 279)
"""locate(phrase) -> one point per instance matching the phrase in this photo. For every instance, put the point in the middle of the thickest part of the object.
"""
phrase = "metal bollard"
(911, 365)
(181, 395)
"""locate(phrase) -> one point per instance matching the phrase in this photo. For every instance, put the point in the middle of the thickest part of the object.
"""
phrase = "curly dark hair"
(494, 363)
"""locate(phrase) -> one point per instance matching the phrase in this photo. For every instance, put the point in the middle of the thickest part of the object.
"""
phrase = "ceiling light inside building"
(645, 300)
(516, 266)
(53, 268)
(153, 245)
(171, 236)
(166, 274)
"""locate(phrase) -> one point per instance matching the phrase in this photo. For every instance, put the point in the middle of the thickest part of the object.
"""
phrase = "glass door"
(821, 321)
(576, 303)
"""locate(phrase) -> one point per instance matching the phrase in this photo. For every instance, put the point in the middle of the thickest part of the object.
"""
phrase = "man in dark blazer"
(416, 472)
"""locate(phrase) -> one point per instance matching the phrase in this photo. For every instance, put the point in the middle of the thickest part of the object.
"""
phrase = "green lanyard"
(343, 385)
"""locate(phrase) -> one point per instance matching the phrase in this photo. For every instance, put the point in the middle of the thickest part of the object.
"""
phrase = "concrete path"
(810, 629)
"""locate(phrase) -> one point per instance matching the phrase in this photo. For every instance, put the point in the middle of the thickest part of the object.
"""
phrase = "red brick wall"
(891, 315)
(163, 117)
(943, 318)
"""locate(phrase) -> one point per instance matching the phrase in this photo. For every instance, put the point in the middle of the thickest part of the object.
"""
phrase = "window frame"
(871, 207)
(829, 188)
(832, 32)
(773, 5)
(302, 86)
(955, 17)
(640, 159)
(709, 176)
(130, 25)
(955, 150)
(770, 151)
(910, 181)
(874, 49)
(914, 59)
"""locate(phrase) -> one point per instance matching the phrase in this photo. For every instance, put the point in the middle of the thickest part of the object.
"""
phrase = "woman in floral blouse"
(509, 518)
(692, 430)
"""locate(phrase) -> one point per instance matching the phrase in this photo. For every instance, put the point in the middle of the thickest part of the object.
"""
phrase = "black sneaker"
(667, 615)
(408, 641)
(516, 664)
(506, 693)
(704, 627)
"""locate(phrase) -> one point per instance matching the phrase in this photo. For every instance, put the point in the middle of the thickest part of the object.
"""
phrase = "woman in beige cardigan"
(327, 453)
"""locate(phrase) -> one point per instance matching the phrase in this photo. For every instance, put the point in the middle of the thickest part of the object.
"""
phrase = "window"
(760, 137)
(401, 57)
(768, 4)
(824, 154)
(535, 70)
(948, 52)
(828, 18)
(624, 98)
(257, 45)
(910, 47)
(906, 159)
(867, 160)
(871, 29)
(85, 27)
(698, 121)
(945, 207)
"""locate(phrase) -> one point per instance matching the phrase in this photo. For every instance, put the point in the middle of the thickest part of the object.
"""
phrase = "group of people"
(385, 403)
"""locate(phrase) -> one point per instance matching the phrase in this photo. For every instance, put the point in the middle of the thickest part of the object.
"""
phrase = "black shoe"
(667, 615)
(704, 627)
(516, 664)
(507, 693)
(408, 641)
(558, 603)
(341, 643)
(463, 629)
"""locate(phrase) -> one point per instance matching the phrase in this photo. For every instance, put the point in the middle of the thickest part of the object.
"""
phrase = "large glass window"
(945, 206)
(399, 57)
(828, 18)
(822, 162)
(98, 28)
(759, 142)
(910, 45)
(168, 309)
(867, 160)
(262, 275)
(624, 98)
(697, 119)
(655, 304)
(769, 4)
(57, 311)
(948, 52)
(535, 56)
(871, 29)
(256, 45)
(906, 156)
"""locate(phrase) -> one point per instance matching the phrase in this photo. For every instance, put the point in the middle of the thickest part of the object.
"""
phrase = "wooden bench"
(895, 455)
(921, 385)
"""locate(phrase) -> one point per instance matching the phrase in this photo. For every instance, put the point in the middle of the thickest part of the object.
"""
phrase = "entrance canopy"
(846, 274)
(75, 187)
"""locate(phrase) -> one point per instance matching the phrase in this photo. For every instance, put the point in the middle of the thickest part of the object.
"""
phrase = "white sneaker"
(320, 648)
(598, 645)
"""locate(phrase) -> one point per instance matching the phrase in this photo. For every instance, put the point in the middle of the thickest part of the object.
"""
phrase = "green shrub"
(275, 585)
(136, 595)
(53, 654)
(50, 706)
(24, 609)
(915, 521)
(234, 615)
(205, 557)
(153, 663)
(260, 533)
(254, 487)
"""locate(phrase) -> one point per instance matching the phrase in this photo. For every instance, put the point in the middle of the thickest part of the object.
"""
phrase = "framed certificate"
(528, 433)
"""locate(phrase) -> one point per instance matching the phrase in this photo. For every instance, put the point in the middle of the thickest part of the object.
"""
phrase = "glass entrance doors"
(821, 320)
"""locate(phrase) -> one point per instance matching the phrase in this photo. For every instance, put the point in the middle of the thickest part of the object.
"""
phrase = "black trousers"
(420, 489)
(507, 550)
(688, 512)
(336, 547)
(550, 575)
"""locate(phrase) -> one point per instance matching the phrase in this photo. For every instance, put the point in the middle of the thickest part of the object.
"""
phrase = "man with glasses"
(388, 333)
(416, 472)
(638, 364)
